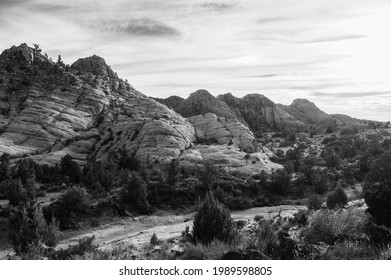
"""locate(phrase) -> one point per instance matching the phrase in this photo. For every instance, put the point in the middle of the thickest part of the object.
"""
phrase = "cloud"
(351, 94)
(336, 38)
(217, 6)
(47, 7)
(262, 76)
(9, 3)
(267, 20)
(147, 27)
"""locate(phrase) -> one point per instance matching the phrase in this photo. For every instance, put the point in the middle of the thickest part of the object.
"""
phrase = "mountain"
(260, 112)
(49, 109)
(202, 102)
(171, 102)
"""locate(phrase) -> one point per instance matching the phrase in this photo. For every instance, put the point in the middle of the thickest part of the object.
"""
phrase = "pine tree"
(212, 221)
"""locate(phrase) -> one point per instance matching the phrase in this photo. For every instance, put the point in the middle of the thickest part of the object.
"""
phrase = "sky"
(335, 53)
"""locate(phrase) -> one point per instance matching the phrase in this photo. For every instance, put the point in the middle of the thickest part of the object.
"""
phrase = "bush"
(238, 203)
(337, 198)
(378, 198)
(332, 161)
(314, 202)
(265, 238)
(28, 226)
(15, 192)
(154, 240)
(212, 221)
(280, 182)
(70, 168)
(72, 206)
(328, 226)
(134, 192)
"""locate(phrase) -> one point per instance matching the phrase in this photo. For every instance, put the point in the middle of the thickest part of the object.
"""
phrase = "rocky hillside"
(259, 113)
(49, 109)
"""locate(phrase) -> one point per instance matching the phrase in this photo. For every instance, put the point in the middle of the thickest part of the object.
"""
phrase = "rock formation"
(49, 109)
(260, 113)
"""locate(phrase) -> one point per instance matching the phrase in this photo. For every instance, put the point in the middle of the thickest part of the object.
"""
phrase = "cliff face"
(202, 102)
(260, 112)
(48, 110)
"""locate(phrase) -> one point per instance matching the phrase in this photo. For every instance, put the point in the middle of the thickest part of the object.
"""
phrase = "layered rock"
(228, 158)
(210, 128)
(260, 113)
(48, 110)
(171, 102)
(201, 102)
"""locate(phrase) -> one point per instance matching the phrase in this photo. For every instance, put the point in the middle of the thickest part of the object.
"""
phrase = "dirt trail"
(139, 231)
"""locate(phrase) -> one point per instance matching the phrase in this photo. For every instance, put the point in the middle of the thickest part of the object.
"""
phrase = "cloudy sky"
(335, 53)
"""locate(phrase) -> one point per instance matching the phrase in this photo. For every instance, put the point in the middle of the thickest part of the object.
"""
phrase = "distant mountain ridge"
(259, 112)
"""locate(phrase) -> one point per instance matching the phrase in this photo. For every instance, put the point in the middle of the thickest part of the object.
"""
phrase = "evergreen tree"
(212, 221)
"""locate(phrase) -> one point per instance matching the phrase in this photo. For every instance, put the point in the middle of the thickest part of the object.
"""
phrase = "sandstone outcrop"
(210, 128)
(260, 113)
(49, 109)
(202, 102)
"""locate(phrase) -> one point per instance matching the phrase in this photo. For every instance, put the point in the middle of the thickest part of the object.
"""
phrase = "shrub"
(314, 202)
(238, 203)
(258, 218)
(212, 221)
(332, 161)
(265, 238)
(15, 192)
(134, 192)
(73, 205)
(28, 226)
(328, 225)
(378, 198)
(280, 182)
(337, 198)
(70, 168)
(154, 240)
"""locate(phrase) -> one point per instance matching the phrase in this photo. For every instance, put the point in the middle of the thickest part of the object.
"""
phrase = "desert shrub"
(71, 207)
(320, 182)
(84, 245)
(216, 249)
(265, 238)
(337, 198)
(378, 199)
(212, 221)
(332, 161)
(4, 166)
(15, 192)
(70, 168)
(350, 250)
(280, 182)
(154, 240)
(28, 226)
(238, 203)
(212, 251)
(128, 162)
(134, 192)
(349, 130)
(314, 202)
(258, 218)
(300, 218)
(328, 226)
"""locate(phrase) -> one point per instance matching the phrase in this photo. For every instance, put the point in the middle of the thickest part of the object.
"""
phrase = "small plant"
(154, 240)
(314, 202)
(337, 198)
